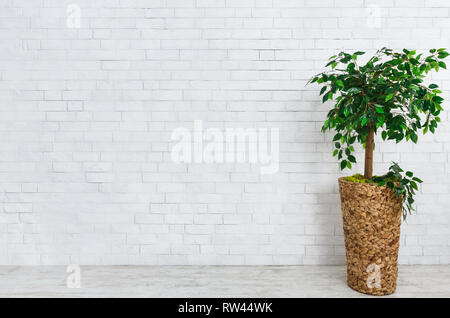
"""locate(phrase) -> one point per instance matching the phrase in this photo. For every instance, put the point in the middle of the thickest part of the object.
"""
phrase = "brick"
(87, 115)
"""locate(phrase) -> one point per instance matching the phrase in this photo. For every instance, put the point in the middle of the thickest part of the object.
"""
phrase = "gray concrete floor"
(211, 281)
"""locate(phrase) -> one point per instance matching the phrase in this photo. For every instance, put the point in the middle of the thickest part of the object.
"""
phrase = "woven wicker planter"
(372, 218)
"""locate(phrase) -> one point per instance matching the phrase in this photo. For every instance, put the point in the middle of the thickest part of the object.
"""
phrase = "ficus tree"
(386, 95)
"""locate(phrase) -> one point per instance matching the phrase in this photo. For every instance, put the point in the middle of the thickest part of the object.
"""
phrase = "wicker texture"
(372, 219)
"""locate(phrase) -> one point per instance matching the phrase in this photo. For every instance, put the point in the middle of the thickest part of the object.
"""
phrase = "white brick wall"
(86, 117)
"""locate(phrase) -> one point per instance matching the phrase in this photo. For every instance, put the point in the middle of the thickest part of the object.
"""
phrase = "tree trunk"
(368, 163)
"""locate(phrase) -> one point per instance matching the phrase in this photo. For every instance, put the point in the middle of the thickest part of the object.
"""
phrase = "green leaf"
(437, 99)
(337, 137)
(389, 97)
(443, 55)
(363, 121)
(354, 90)
(379, 110)
(343, 164)
(417, 180)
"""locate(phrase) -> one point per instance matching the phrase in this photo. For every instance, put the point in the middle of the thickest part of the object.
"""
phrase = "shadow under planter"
(372, 219)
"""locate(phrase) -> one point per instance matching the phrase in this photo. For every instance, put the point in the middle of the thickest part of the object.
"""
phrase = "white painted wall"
(86, 117)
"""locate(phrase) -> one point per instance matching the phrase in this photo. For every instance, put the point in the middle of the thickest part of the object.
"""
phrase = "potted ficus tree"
(384, 96)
